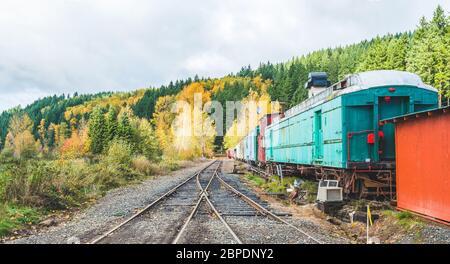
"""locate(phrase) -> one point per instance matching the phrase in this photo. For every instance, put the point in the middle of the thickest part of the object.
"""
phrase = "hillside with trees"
(62, 151)
(425, 51)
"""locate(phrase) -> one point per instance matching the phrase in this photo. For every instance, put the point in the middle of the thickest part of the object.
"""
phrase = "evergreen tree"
(97, 131)
(376, 57)
(64, 132)
(111, 124)
(148, 143)
(124, 129)
(51, 136)
(429, 53)
(397, 51)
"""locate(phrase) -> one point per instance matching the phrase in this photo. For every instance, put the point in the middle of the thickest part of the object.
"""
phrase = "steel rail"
(204, 195)
(223, 220)
(140, 212)
(262, 209)
(205, 191)
(188, 220)
(194, 210)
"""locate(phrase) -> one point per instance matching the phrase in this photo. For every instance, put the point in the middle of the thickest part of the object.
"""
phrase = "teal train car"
(337, 133)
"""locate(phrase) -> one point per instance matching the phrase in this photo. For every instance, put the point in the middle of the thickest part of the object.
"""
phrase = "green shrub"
(404, 215)
(274, 185)
(169, 165)
(6, 225)
(143, 165)
(14, 182)
(41, 178)
(258, 181)
(6, 156)
(23, 215)
(115, 168)
(13, 217)
(4, 178)
(404, 218)
(311, 187)
(119, 153)
(43, 183)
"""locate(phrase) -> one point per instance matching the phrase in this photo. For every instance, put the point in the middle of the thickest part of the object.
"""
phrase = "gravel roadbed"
(110, 210)
(262, 230)
(430, 234)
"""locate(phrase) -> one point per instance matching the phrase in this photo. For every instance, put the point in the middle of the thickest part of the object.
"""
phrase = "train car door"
(269, 147)
(359, 122)
(390, 106)
(318, 136)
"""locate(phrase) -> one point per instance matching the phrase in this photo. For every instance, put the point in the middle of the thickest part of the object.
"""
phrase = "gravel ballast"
(264, 230)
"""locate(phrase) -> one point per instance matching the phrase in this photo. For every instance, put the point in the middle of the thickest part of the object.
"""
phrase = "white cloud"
(205, 63)
(54, 46)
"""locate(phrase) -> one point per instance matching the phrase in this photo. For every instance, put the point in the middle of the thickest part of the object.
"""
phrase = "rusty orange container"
(423, 163)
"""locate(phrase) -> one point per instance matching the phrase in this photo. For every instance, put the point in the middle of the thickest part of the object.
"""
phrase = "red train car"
(263, 123)
(423, 167)
(230, 154)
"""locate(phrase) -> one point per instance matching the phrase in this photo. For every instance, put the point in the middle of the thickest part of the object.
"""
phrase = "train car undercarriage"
(376, 183)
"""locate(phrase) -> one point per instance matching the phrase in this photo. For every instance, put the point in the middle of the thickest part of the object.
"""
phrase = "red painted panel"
(423, 165)
(263, 123)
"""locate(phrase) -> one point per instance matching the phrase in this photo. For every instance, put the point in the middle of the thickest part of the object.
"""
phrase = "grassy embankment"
(32, 189)
(276, 185)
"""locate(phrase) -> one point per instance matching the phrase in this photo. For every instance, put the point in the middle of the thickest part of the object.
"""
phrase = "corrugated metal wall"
(423, 165)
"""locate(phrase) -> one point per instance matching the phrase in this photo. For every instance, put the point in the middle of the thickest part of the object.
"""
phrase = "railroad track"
(195, 209)
(204, 184)
(258, 208)
(182, 195)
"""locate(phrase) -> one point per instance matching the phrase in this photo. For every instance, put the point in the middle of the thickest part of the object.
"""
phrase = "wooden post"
(367, 220)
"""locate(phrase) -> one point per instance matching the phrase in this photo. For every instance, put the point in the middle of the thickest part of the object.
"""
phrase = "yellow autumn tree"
(163, 118)
(77, 145)
(183, 129)
(194, 131)
(255, 106)
(20, 139)
(117, 100)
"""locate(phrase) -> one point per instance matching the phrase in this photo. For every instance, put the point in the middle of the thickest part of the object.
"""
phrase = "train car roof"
(371, 79)
(357, 82)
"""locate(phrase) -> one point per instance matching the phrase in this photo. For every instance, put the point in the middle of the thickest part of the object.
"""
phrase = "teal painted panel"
(380, 103)
(332, 133)
(359, 120)
(318, 137)
(395, 106)
(292, 140)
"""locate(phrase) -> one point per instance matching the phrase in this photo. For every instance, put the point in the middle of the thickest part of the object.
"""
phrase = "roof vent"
(317, 83)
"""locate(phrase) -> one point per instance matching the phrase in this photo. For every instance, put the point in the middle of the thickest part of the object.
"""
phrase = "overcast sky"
(53, 47)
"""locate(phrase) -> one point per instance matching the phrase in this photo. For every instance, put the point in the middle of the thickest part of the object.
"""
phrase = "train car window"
(333, 184)
(323, 184)
(351, 81)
